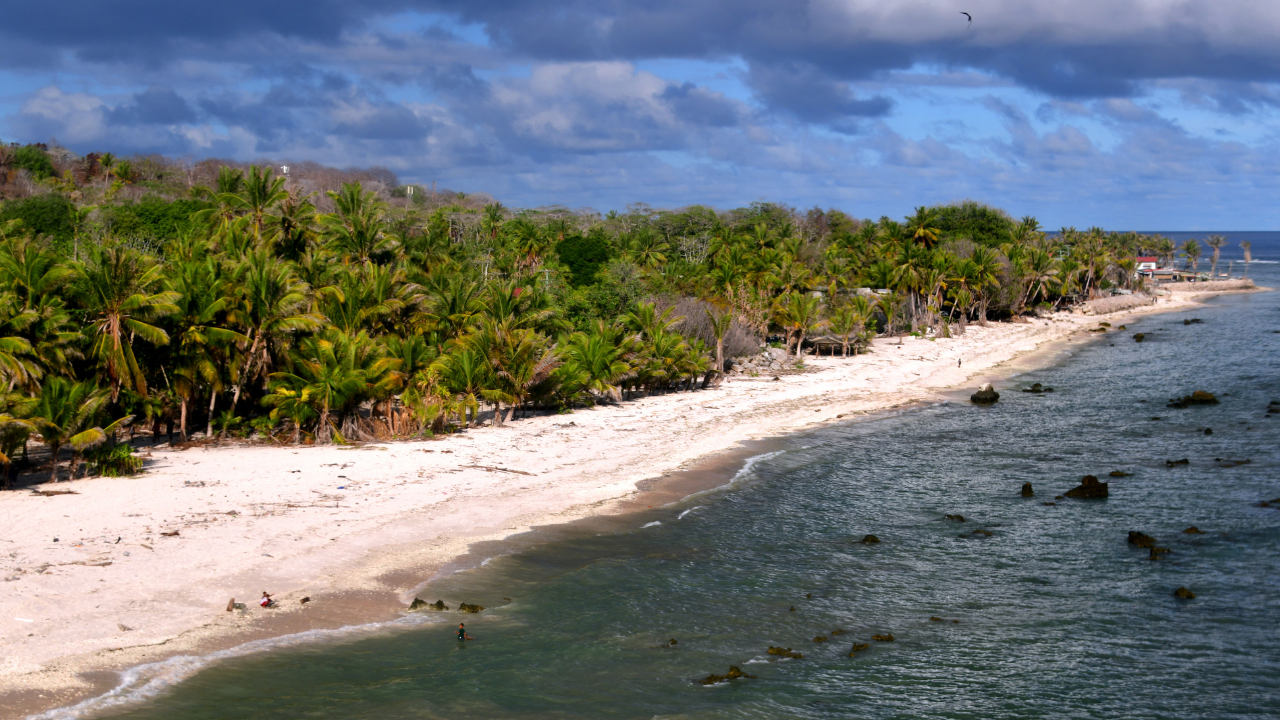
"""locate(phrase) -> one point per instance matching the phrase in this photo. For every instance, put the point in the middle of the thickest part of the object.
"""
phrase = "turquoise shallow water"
(1059, 616)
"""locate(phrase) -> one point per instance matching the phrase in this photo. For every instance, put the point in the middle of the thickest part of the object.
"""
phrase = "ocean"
(1025, 608)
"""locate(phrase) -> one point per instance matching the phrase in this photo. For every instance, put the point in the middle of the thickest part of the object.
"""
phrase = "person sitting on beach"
(462, 633)
(266, 600)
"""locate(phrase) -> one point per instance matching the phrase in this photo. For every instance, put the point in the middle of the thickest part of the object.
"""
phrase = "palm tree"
(599, 360)
(922, 226)
(1248, 255)
(465, 373)
(1216, 242)
(1191, 249)
(117, 288)
(202, 339)
(798, 313)
(844, 322)
(984, 278)
(261, 193)
(720, 323)
(271, 309)
(65, 413)
(357, 230)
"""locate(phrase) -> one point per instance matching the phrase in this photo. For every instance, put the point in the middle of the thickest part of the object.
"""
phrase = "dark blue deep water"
(1059, 617)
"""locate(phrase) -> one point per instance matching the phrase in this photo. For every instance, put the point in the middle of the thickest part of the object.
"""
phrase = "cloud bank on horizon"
(1143, 114)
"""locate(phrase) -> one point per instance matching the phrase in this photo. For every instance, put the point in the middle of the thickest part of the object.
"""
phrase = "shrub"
(47, 214)
(34, 160)
(113, 460)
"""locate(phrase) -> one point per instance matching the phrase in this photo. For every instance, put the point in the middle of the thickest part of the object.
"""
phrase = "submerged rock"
(869, 540)
(1193, 530)
(935, 618)
(468, 608)
(837, 631)
(1192, 321)
(984, 533)
(1027, 491)
(887, 637)
(1119, 473)
(1142, 540)
(1139, 337)
(858, 647)
(957, 518)
(986, 395)
(1199, 397)
(785, 652)
(1184, 593)
(1172, 463)
(733, 674)
(1089, 488)
(820, 639)
(1158, 552)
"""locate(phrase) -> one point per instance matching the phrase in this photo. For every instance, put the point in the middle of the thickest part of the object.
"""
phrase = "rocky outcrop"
(1119, 473)
(1184, 594)
(1027, 491)
(986, 395)
(1175, 463)
(733, 674)
(420, 604)
(1089, 488)
(1037, 389)
(957, 518)
(1199, 397)
(869, 540)
(858, 647)
(469, 608)
(785, 652)
(1141, 540)
(887, 637)
(1139, 337)
(820, 639)
(1193, 530)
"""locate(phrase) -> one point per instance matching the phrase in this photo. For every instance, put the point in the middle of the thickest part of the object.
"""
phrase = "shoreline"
(428, 507)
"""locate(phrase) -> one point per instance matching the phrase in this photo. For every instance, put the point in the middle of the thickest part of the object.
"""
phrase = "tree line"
(254, 305)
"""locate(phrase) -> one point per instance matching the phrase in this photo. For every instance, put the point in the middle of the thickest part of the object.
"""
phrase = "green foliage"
(47, 214)
(584, 255)
(113, 460)
(34, 160)
(152, 218)
(980, 223)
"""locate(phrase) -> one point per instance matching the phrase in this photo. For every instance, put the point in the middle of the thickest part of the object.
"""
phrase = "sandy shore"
(133, 570)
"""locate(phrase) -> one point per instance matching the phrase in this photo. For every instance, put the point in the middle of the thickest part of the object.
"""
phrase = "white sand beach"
(132, 570)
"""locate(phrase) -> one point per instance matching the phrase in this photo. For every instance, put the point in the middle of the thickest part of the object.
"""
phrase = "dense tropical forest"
(304, 304)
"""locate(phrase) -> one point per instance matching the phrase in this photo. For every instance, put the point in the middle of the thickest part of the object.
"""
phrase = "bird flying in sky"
(968, 16)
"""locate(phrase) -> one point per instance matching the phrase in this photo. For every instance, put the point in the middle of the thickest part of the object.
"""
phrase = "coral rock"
(887, 637)
(785, 652)
(468, 608)
(1184, 593)
(1142, 540)
(1027, 491)
(1193, 530)
(869, 540)
(733, 674)
(1089, 487)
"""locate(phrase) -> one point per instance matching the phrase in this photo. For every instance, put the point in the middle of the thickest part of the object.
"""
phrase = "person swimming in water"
(462, 633)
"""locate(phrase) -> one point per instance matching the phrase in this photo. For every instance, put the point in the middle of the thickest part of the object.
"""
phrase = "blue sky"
(1119, 113)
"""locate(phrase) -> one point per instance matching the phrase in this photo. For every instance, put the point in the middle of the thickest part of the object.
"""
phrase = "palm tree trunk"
(213, 398)
(182, 422)
(53, 457)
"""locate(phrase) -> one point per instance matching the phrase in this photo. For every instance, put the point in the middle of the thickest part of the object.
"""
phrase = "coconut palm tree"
(119, 289)
(1248, 255)
(600, 361)
(1216, 242)
(720, 321)
(1192, 250)
(66, 413)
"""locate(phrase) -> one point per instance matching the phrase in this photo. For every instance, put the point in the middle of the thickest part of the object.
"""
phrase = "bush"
(33, 160)
(48, 214)
(152, 218)
(113, 460)
(584, 256)
(980, 223)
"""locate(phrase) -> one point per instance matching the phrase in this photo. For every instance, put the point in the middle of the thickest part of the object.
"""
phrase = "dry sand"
(143, 568)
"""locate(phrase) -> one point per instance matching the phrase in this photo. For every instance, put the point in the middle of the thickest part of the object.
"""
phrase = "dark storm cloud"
(154, 106)
(811, 95)
(698, 106)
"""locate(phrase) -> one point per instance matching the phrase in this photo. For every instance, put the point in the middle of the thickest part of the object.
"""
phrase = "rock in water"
(420, 604)
(1139, 337)
(1089, 487)
(820, 639)
(1199, 397)
(785, 652)
(869, 540)
(1119, 473)
(957, 518)
(986, 395)
(1142, 540)
(1158, 552)
(1027, 491)
(1184, 593)
(734, 673)
(1172, 463)
(469, 608)
(858, 647)
(1193, 530)
(887, 637)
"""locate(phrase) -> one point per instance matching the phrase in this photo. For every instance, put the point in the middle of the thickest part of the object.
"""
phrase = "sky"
(1125, 114)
